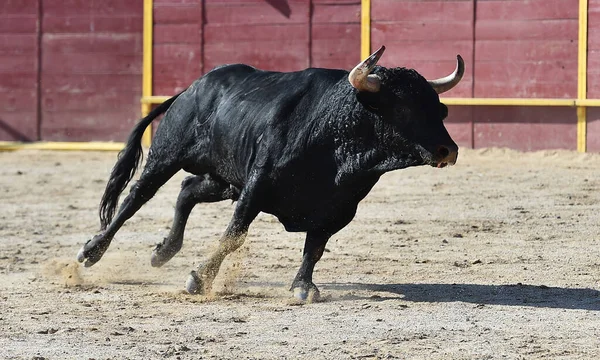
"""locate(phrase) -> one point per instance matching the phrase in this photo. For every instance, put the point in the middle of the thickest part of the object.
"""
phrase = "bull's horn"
(446, 83)
(360, 77)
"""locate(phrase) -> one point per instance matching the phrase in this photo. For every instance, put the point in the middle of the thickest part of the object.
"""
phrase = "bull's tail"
(128, 161)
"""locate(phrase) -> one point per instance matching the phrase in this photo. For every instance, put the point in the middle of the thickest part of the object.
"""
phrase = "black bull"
(304, 146)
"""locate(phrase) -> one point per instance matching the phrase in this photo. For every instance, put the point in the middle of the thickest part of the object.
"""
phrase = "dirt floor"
(497, 257)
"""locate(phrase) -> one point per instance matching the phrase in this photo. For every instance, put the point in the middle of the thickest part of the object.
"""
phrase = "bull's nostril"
(443, 152)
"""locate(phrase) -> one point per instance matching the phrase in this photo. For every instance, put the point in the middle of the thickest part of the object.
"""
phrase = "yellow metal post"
(365, 29)
(582, 77)
(147, 67)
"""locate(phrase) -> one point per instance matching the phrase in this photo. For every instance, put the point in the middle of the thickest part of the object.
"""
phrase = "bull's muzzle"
(445, 155)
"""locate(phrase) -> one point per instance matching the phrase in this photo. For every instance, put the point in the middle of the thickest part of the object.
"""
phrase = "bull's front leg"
(194, 190)
(303, 287)
(247, 208)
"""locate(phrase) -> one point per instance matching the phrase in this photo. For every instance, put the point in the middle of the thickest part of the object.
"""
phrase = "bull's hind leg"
(194, 190)
(303, 286)
(247, 208)
(152, 178)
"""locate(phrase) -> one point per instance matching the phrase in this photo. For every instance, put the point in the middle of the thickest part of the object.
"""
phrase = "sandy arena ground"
(497, 257)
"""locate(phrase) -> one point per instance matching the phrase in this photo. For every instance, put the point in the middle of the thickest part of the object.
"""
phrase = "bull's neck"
(359, 137)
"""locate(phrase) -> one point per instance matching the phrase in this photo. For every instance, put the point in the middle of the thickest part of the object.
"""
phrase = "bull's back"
(254, 109)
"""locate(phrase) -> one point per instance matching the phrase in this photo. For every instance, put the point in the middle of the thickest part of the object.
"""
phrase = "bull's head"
(409, 106)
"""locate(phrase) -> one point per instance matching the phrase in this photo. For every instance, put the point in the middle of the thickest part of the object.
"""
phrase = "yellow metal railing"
(582, 76)
(147, 66)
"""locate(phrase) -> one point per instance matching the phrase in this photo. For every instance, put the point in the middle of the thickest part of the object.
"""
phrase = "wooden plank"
(22, 63)
(18, 125)
(99, 43)
(416, 31)
(593, 74)
(524, 89)
(594, 30)
(542, 72)
(177, 53)
(224, 34)
(176, 67)
(18, 24)
(559, 29)
(260, 12)
(11, 81)
(91, 83)
(527, 10)
(89, 23)
(117, 7)
(291, 55)
(336, 2)
(87, 102)
(410, 53)
(177, 2)
(18, 70)
(18, 44)
(108, 125)
(91, 63)
(105, 7)
(326, 13)
(593, 129)
(91, 69)
(18, 7)
(17, 100)
(67, 7)
(185, 57)
(459, 125)
(525, 50)
(178, 33)
(335, 45)
(525, 128)
(172, 13)
(422, 11)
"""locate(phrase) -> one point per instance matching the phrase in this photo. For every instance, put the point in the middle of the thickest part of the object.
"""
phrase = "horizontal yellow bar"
(508, 102)
(154, 99)
(62, 146)
(465, 101)
(588, 102)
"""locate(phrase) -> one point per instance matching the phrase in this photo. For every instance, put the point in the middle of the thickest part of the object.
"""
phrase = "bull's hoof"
(162, 254)
(194, 285)
(306, 292)
(92, 251)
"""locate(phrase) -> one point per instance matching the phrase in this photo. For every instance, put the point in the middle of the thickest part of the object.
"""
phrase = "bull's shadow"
(512, 295)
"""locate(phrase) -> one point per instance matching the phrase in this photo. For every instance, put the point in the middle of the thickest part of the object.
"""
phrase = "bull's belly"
(330, 219)
(310, 213)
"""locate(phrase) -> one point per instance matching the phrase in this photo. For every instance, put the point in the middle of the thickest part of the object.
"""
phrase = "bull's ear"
(361, 78)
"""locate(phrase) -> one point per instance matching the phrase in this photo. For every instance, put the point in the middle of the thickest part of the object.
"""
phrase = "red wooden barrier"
(90, 70)
(18, 70)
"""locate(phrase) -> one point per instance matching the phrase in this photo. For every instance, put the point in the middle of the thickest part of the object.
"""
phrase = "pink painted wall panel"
(335, 34)
(426, 36)
(593, 129)
(526, 48)
(91, 69)
(460, 125)
(270, 35)
(525, 128)
(178, 39)
(593, 74)
(18, 70)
